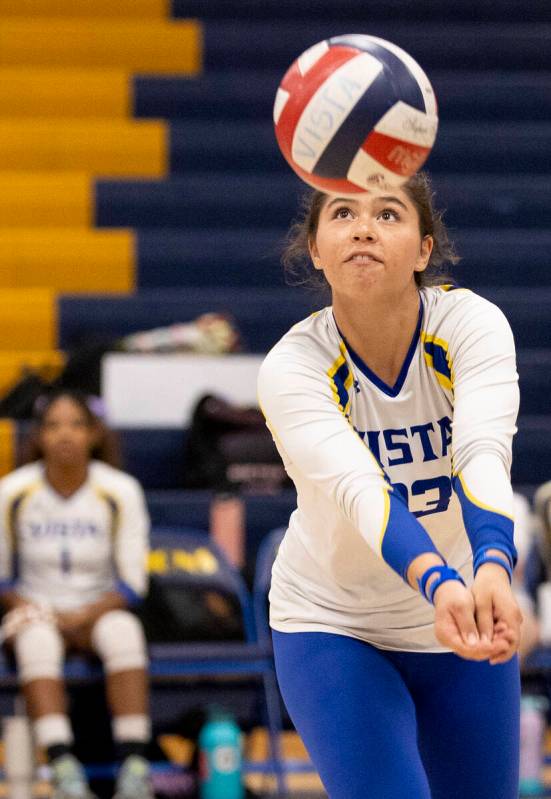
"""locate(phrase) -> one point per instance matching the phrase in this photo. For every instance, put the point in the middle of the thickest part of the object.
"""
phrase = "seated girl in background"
(73, 546)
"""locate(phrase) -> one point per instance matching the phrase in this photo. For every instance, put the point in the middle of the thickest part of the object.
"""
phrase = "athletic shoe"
(133, 781)
(69, 779)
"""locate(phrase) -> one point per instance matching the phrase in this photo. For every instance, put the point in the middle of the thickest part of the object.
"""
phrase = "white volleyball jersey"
(67, 552)
(441, 437)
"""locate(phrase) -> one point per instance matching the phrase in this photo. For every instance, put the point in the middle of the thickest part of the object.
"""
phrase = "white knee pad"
(118, 639)
(39, 652)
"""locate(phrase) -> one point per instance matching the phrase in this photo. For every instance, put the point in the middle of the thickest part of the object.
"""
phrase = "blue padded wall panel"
(250, 146)
(155, 456)
(474, 45)
(262, 316)
(249, 94)
(243, 257)
(502, 257)
(528, 312)
(532, 450)
(508, 200)
(179, 507)
(534, 368)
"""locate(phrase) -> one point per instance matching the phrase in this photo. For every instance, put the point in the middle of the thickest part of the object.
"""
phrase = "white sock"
(135, 727)
(54, 728)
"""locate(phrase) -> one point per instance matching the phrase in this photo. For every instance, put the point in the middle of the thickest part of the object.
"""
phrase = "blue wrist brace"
(445, 573)
(482, 556)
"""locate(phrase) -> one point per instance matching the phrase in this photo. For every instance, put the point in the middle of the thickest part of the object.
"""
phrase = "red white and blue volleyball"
(355, 110)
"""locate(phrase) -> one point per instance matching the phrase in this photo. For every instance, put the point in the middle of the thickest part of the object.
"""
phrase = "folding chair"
(266, 555)
(188, 557)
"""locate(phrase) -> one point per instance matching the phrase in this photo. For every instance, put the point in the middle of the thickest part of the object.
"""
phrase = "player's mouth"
(363, 257)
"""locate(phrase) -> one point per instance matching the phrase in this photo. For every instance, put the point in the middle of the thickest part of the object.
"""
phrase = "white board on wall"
(162, 390)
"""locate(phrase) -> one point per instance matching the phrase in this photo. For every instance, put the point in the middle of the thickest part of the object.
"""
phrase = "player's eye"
(389, 215)
(342, 212)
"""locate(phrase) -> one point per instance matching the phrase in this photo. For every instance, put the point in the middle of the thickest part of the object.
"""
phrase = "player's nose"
(364, 229)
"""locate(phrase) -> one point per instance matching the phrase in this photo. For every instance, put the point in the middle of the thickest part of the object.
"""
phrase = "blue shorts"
(380, 724)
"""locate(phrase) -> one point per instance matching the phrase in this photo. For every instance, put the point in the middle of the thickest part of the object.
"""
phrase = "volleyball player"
(394, 625)
(73, 544)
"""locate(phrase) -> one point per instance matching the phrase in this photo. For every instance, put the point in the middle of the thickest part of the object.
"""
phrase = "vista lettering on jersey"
(431, 440)
(61, 528)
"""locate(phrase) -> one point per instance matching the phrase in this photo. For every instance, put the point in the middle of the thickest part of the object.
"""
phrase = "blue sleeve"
(403, 538)
(486, 528)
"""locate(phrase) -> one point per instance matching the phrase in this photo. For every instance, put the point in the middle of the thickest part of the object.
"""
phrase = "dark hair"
(106, 447)
(296, 255)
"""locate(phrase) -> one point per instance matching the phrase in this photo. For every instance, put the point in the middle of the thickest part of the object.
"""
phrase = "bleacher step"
(464, 94)
(69, 260)
(155, 9)
(250, 146)
(104, 147)
(511, 45)
(142, 45)
(230, 199)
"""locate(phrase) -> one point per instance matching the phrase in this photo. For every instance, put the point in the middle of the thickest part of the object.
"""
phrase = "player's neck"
(66, 480)
(380, 333)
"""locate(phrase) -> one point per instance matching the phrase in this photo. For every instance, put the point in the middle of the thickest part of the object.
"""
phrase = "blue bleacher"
(245, 257)
(198, 145)
(507, 45)
(232, 200)
(240, 94)
(357, 13)
(263, 314)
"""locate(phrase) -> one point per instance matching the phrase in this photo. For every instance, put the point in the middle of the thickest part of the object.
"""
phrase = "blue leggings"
(388, 725)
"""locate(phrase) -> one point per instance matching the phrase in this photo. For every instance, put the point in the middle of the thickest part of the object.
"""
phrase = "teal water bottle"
(532, 732)
(220, 758)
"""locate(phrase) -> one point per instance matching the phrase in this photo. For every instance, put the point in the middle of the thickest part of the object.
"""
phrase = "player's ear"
(314, 254)
(427, 244)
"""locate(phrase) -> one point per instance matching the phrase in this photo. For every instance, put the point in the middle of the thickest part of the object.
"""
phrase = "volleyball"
(355, 110)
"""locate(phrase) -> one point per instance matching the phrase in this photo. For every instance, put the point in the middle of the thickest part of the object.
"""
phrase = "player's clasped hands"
(481, 623)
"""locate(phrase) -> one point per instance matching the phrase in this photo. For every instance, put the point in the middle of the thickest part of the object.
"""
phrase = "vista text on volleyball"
(353, 110)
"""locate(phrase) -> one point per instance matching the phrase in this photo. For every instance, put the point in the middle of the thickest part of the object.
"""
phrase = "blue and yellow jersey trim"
(13, 510)
(437, 357)
(470, 496)
(386, 515)
(485, 526)
(341, 380)
(113, 506)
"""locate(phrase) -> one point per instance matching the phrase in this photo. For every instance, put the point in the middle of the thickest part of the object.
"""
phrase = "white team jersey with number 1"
(66, 552)
(445, 426)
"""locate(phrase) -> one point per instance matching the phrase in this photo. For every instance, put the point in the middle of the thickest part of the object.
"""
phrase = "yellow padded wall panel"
(136, 45)
(35, 92)
(70, 260)
(28, 319)
(47, 363)
(103, 147)
(37, 199)
(85, 8)
(7, 446)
